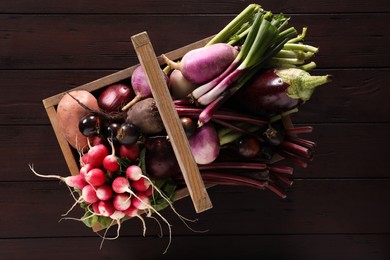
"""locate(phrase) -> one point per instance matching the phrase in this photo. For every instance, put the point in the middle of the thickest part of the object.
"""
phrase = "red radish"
(179, 85)
(106, 208)
(114, 97)
(74, 181)
(149, 191)
(96, 154)
(95, 140)
(130, 152)
(131, 211)
(84, 169)
(140, 84)
(110, 162)
(84, 159)
(204, 64)
(121, 185)
(121, 201)
(95, 177)
(88, 194)
(134, 172)
(140, 201)
(95, 208)
(118, 215)
(104, 192)
(134, 212)
(141, 185)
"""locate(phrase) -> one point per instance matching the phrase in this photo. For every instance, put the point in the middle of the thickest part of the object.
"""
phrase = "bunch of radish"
(109, 191)
(231, 96)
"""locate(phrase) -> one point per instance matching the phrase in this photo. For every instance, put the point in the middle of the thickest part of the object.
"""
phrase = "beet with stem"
(160, 160)
(145, 116)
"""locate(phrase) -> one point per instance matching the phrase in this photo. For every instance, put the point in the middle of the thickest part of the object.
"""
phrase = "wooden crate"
(198, 193)
(201, 203)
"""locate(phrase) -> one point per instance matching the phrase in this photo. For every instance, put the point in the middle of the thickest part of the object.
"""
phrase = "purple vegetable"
(141, 87)
(277, 90)
(114, 97)
(179, 85)
(160, 160)
(204, 64)
(204, 144)
(145, 116)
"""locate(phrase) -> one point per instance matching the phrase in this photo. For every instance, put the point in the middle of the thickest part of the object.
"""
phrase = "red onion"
(114, 97)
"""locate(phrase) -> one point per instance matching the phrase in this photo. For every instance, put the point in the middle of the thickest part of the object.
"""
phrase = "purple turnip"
(204, 64)
(204, 144)
(141, 87)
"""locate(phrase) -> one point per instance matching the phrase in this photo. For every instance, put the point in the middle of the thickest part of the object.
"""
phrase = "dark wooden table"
(338, 208)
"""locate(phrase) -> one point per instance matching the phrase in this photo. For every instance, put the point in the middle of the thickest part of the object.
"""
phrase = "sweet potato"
(70, 112)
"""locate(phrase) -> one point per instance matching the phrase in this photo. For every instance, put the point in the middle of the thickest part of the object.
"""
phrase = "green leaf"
(88, 219)
(168, 188)
(104, 221)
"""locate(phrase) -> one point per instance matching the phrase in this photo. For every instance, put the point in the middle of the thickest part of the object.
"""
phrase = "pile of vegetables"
(232, 97)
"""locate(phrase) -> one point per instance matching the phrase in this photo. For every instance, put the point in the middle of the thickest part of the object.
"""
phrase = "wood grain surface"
(337, 208)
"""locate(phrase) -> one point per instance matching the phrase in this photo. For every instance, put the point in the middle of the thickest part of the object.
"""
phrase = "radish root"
(182, 218)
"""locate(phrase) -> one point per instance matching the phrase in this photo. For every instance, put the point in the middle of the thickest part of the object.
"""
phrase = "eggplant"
(276, 91)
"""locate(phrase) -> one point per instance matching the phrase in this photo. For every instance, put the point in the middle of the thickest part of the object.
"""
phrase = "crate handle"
(170, 118)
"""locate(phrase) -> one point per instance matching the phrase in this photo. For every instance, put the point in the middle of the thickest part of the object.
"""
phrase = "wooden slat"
(189, 7)
(312, 207)
(66, 149)
(171, 120)
(283, 246)
(101, 42)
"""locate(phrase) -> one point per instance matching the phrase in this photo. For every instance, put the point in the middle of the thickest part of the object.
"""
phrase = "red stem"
(279, 169)
(219, 178)
(293, 158)
(233, 165)
(284, 179)
(222, 115)
(301, 141)
(276, 190)
(297, 149)
(237, 128)
(299, 130)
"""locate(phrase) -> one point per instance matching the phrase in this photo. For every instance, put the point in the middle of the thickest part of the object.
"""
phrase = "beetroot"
(145, 116)
(160, 160)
